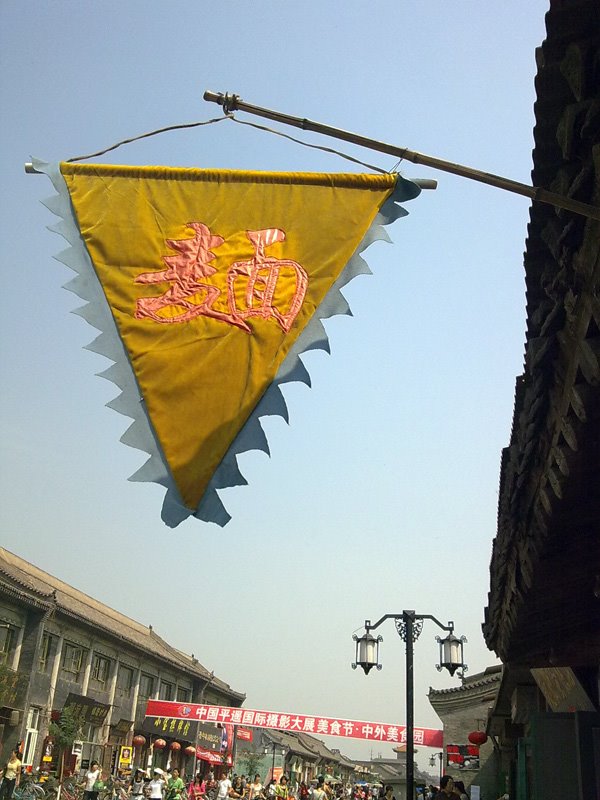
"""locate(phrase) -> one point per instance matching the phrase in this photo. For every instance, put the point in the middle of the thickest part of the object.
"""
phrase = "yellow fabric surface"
(201, 378)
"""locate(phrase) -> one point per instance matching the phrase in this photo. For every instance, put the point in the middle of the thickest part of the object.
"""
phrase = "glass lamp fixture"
(451, 653)
(367, 652)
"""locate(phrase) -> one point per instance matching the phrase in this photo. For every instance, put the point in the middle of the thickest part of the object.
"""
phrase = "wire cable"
(231, 117)
(307, 144)
(145, 136)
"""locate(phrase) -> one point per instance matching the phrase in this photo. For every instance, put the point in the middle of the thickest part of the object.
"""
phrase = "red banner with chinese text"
(300, 723)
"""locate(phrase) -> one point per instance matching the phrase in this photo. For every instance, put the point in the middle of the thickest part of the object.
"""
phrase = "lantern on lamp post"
(367, 652)
(451, 653)
(432, 763)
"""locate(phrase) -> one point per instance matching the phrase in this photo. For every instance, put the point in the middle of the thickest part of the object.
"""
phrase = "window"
(124, 681)
(146, 685)
(183, 695)
(91, 733)
(7, 638)
(72, 660)
(100, 670)
(166, 691)
(45, 649)
(31, 735)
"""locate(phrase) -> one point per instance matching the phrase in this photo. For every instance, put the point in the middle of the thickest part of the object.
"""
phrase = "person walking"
(255, 790)
(197, 788)
(175, 787)
(11, 773)
(446, 788)
(136, 787)
(157, 785)
(459, 789)
(224, 788)
(318, 792)
(92, 777)
(212, 787)
(282, 790)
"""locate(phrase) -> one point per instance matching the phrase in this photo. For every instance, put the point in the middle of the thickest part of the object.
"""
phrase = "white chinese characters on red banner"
(303, 723)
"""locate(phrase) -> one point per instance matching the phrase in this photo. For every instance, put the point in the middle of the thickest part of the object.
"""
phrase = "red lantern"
(190, 750)
(478, 737)
(139, 740)
(159, 744)
(175, 746)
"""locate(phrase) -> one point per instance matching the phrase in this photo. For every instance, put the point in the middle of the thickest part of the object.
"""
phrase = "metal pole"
(408, 617)
(273, 767)
(232, 102)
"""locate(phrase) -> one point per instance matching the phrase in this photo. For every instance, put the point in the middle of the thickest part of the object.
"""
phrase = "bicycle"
(113, 790)
(28, 789)
(70, 789)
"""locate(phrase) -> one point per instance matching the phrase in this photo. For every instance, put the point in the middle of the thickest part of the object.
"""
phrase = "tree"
(64, 732)
(252, 762)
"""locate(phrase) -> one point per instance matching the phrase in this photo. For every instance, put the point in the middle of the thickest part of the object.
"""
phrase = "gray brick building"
(464, 709)
(58, 647)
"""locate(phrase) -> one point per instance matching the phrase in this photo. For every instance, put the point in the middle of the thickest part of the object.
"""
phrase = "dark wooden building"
(543, 613)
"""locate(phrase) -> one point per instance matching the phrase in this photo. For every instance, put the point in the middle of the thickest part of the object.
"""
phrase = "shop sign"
(185, 729)
(245, 734)
(86, 709)
(122, 726)
(125, 757)
(208, 736)
(463, 756)
(562, 689)
(49, 759)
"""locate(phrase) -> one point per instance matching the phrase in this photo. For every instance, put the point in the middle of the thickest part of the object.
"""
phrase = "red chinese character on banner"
(258, 279)
(187, 273)
(263, 286)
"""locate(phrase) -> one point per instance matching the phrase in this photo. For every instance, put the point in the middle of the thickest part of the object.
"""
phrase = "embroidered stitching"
(257, 277)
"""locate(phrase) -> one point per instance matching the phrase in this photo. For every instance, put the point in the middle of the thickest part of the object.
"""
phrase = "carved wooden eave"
(543, 605)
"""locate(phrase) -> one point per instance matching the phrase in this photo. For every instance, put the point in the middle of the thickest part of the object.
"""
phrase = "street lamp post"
(409, 626)
(267, 750)
(432, 762)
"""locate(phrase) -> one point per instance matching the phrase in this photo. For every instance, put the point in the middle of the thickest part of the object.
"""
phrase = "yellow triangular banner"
(211, 276)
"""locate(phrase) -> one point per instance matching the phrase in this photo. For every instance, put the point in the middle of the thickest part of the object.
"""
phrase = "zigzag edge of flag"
(130, 403)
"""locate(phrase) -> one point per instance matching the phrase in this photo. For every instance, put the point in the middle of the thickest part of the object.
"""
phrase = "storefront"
(181, 744)
(90, 746)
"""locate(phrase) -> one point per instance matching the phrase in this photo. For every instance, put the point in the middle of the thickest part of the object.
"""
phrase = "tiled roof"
(292, 742)
(33, 585)
(318, 747)
(491, 677)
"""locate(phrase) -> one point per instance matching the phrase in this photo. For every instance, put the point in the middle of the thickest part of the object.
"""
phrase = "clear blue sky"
(381, 494)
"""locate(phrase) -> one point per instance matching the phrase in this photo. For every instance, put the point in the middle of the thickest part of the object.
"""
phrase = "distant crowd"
(162, 785)
(159, 784)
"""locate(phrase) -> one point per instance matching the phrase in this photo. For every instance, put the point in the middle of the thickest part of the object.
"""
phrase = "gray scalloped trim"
(129, 402)
(97, 313)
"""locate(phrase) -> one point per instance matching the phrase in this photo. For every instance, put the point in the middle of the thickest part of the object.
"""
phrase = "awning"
(208, 755)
